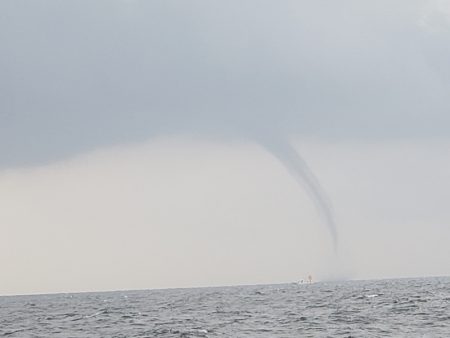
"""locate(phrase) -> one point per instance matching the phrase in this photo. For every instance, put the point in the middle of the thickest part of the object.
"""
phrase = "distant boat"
(301, 281)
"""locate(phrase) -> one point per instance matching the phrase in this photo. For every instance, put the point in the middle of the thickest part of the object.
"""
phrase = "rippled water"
(395, 308)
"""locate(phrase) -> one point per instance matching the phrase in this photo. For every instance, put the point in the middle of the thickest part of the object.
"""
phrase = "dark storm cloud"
(82, 74)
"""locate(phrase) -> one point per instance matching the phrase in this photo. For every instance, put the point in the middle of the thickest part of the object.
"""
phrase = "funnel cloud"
(284, 152)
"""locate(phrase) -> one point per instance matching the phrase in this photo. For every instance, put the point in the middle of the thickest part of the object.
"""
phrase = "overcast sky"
(147, 143)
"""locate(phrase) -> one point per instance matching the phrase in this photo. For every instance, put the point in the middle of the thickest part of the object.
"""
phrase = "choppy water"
(394, 308)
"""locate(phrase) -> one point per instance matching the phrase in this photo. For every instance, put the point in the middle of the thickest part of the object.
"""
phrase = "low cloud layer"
(84, 74)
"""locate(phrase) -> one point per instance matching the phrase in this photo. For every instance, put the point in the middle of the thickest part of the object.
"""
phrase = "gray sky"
(136, 141)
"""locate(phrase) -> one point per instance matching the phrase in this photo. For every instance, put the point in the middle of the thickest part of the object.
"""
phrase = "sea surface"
(379, 308)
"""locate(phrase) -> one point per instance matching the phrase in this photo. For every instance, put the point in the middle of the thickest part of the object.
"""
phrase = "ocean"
(376, 308)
